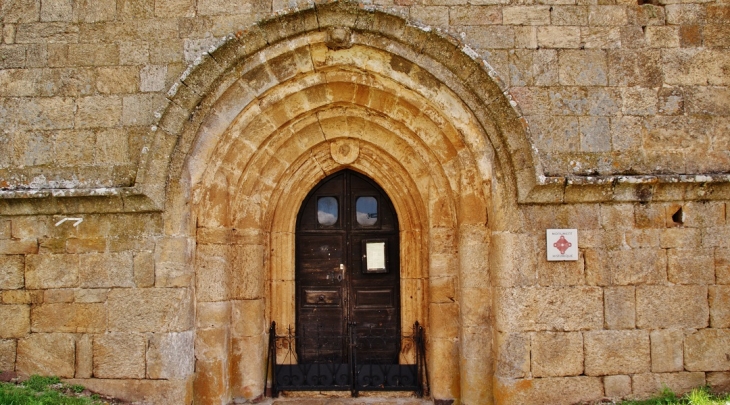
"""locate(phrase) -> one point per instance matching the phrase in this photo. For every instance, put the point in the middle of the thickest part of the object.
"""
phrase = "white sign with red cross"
(562, 244)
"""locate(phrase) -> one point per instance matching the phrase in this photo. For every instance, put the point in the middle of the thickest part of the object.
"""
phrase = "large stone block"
(173, 262)
(248, 318)
(443, 354)
(558, 37)
(626, 267)
(18, 247)
(616, 352)
(549, 308)
(651, 384)
(718, 381)
(98, 112)
(212, 314)
(667, 350)
(549, 391)
(47, 354)
(247, 361)
(619, 307)
(22, 297)
(119, 355)
(144, 269)
(583, 68)
(691, 266)
(141, 391)
(16, 321)
(150, 310)
(12, 272)
(513, 355)
(445, 320)
(98, 270)
(557, 354)
(212, 344)
(84, 356)
(512, 259)
(681, 306)
(170, 356)
(722, 265)
(213, 272)
(526, 15)
(51, 271)
(720, 306)
(65, 317)
(248, 272)
(617, 386)
(707, 350)
(7, 354)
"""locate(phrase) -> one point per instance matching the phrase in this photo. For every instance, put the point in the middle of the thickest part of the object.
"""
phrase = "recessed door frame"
(335, 290)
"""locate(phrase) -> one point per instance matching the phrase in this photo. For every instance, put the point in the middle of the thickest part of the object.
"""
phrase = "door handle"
(342, 272)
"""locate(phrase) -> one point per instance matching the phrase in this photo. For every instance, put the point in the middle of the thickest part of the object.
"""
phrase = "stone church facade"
(154, 157)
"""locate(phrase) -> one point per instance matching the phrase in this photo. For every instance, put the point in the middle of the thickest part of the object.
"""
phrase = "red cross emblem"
(562, 244)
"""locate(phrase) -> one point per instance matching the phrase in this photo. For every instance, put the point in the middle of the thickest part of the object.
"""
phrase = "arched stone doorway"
(270, 114)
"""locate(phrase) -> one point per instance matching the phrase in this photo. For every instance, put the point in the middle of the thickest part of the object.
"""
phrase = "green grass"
(39, 390)
(698, 396)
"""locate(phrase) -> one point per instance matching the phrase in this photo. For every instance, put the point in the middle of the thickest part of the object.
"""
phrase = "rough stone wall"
(607, 87)
(610, 88)
(645, 306)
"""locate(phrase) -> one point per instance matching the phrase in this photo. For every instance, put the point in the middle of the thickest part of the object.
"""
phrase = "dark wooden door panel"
(347, 270)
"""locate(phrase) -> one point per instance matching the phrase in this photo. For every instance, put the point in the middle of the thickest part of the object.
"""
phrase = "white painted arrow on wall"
(78, 221)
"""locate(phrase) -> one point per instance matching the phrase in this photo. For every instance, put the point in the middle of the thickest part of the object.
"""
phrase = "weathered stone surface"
(556, 354)
(691, 266)
(619, 307)
(615, 352)
(22, 297)
(12, 272)
(91, 295)
(16, 321)
(51, 271)
(144, 269)
(667, 350)
(650, 384)
(672, 306)
(247, 265)
(145, 391)
(719, 381)
(511, 259)
(119, 355)
(58, 295)
(47, 354)
(545, 391)
(170, 356)
(7, 354)
(149, 310)
(213, 278)
(722, 265)
(172, 262)
(513, 355)
(18, 247)
(707, 350)
(62, 317)
(617, 386)
(97, 270)
(566, 308)
(583, 68)
(719, 306)
(84, 356)
(626, 267)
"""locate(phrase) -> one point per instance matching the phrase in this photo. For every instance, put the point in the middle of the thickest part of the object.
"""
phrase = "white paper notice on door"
(375, 257)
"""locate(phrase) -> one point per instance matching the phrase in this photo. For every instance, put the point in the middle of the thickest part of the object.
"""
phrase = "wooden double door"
(347, 273)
